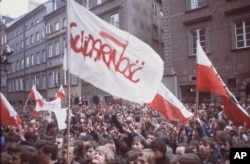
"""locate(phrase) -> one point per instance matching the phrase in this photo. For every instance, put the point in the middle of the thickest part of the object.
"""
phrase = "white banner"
(111, 59)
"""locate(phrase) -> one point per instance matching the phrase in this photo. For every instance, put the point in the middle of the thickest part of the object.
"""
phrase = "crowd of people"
(122, 134)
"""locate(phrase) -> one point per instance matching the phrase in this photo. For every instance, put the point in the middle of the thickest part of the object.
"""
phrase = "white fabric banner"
(111, 59)
(61, 116)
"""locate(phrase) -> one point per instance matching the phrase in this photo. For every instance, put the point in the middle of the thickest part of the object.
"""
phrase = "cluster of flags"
(10, 117)
(124, 66)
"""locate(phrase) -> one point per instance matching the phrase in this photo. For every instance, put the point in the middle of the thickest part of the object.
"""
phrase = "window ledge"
(240, 49)
(195, 9)
(200, 19)
(238, 10)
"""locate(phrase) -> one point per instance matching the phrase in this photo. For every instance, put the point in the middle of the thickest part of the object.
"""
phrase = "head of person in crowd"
(151, 135)
(195, 146)
(103, 155)
(146, 156)
(188, 158)
(164, 127)
(89, 150)
(224, 141)
(181, 148)
(159, 148)
(207, 148)
(137, 143)
(131, 156)
(196, 133)
(51, 128)
(69, 153)
(23, 154)
(47, 154)
(59, 141)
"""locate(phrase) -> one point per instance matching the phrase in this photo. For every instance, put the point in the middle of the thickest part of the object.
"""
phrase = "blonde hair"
(149, 154)
(109, 154)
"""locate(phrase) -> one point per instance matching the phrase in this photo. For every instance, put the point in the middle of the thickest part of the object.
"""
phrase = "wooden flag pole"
(196, 103)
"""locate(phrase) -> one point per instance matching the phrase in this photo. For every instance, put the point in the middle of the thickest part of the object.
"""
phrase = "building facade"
(223, 28)
(39, 37)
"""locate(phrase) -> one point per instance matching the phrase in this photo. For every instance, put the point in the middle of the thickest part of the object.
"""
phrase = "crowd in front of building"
(122, 134)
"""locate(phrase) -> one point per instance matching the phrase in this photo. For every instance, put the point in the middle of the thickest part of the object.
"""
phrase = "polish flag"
(61, 93)
(109, 58)
(35, 95)
(8, 114)
(208, 80)
(168, 105)
(48, 105)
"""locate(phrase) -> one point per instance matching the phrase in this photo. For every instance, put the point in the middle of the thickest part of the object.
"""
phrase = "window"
(22, 44)
(193, 4)
(22, 64)
(57, 48)
(50, 53)
(17, 65)
(43, 33)
(17, 84)
(49, 29)
(200, 35)
(21, 84)
(99, 2)
(27, 86)
(32, 39)
(154, 8)
(32, 60)
(43, 56)
(37, 58)
(27, 41)
(242, 33)
(73, 79)
(88, 4)
(27, 61)
(54, 79)
(44, 82)
(37, 36)
(57, 26)
(114, 20)
(64, 22)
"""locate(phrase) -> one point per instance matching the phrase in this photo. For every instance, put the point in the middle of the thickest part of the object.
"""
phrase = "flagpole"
(196, 103)
(26, 102)
(68, 72)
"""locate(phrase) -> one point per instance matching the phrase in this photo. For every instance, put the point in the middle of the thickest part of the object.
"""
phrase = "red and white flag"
(48, 105)
(208, 80)
(111, 59)
(61, 93)
(168, 105)
(8, 114)
(35, 95)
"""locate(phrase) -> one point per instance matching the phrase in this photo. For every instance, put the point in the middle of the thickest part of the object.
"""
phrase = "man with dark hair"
(207, 151)
(47, 154)
(159, 148)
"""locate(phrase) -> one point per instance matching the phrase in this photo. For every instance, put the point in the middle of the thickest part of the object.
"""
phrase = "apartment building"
(223, 28)
(39, 38)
